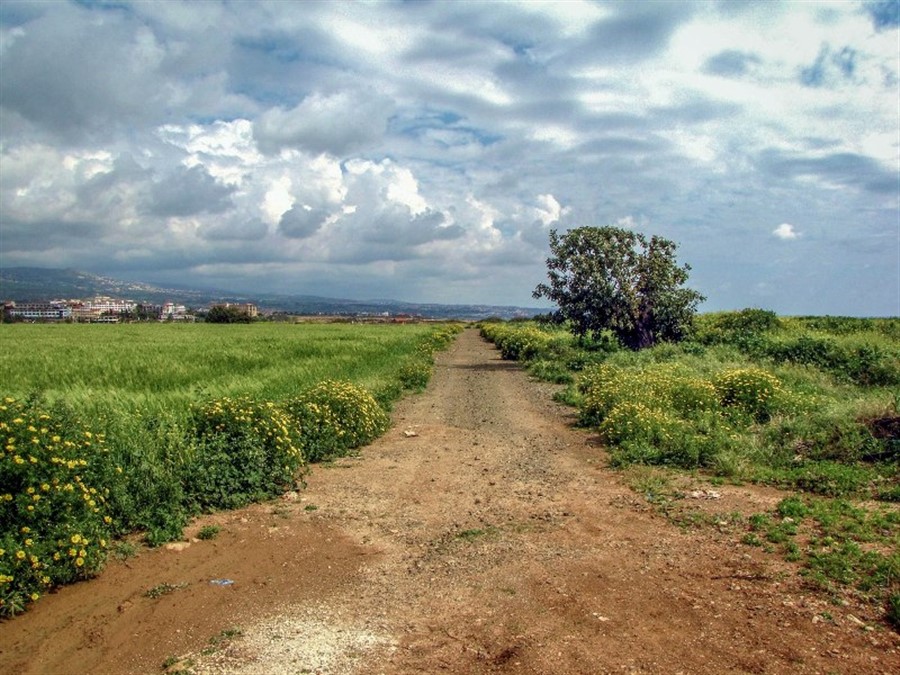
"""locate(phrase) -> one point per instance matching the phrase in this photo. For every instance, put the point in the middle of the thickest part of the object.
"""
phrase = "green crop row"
(77, 472)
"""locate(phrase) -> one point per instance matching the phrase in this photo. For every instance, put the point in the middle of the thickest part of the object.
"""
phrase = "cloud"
(300, 222)
(188, 191)
(633, 32)
(235, 228)
(337, 124)
(785, 231)
(830, 67)
(731, 63)
(837, 169)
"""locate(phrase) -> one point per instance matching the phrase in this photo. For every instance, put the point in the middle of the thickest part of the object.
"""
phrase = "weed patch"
(163, 589)
(208, 532)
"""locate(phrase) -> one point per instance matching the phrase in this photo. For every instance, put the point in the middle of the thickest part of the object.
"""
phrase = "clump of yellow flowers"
(54, 521)
(243, 450)
(335, 417)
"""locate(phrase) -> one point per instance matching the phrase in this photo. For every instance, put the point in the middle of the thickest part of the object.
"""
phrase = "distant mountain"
(39, 283)
(23, 284)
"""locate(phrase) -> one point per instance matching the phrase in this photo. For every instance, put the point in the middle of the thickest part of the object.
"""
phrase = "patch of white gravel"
(294, 644)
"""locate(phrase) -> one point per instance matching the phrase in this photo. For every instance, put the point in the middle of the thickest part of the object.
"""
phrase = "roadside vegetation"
(810, 405)
(110, 431)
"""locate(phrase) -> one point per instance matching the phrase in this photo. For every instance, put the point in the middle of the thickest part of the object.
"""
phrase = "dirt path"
(481, 534)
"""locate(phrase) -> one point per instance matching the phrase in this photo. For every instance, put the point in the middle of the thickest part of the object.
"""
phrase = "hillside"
(31, 284)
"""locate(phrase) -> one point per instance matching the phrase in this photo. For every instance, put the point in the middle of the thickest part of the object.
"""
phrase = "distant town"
(103, 309)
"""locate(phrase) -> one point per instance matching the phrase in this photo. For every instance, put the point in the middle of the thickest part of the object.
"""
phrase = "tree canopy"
(610, 278)
(227, 314)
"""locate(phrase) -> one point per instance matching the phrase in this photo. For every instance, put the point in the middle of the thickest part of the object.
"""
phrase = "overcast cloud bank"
(424, 150)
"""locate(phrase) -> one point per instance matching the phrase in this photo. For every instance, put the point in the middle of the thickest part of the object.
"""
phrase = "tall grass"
(160, 364)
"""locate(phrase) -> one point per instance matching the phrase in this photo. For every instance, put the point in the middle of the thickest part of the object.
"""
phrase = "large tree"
(227, 314)
(609, 278)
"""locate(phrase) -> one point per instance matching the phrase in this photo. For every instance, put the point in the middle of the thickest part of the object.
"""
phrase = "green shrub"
(54, 524)
(822, 435)
(151, 449)
(659, 386)
(792, 507)
(869, 365)
(244, 451)
(752, 391)
(733, 326)
(415, 373)
(550, 371)
(208, 532)
(336, 417)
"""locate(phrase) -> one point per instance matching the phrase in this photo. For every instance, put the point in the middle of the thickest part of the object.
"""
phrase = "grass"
(216, 642)
(123, 550)
(208, 532)
(151, 367)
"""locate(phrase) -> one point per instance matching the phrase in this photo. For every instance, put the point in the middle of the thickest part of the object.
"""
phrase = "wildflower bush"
(54, 520)
(524, 343)
(660, 386)
(335, 417)
(655, 414)
(643, 435)
(440, 338)
(770, 419)
(751, 391)
(415, 373)
(551, 352)
(243, 450)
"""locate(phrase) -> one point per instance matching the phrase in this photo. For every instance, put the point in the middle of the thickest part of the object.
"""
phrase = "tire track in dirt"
(492, 540)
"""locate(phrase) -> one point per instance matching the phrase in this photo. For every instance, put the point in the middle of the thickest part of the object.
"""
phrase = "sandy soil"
(482, 534)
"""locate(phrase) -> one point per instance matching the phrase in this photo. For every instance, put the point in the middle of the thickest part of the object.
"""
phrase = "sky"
(423, 151)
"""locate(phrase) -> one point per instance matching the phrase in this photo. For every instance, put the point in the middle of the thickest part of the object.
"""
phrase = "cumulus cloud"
(235, 228)
(785, 231)
(188, 191)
